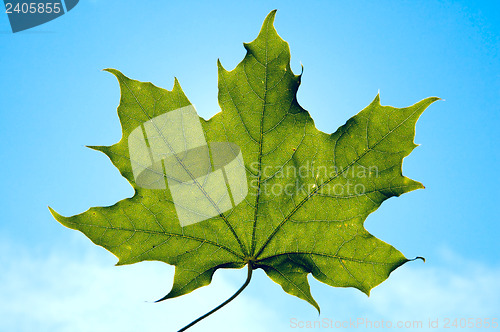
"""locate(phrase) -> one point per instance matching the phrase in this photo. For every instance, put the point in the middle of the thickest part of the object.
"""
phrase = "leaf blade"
(291, 223)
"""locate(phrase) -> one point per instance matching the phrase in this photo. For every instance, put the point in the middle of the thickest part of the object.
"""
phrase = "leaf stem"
(247, 281)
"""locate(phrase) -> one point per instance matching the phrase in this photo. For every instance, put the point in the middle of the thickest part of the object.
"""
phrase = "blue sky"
(54, 100)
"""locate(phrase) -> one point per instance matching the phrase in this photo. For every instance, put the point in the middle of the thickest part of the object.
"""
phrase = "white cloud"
(445, 288)
(449, 287)
(60, 293)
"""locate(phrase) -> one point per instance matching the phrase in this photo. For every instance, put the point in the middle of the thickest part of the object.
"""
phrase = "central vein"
(261, 144)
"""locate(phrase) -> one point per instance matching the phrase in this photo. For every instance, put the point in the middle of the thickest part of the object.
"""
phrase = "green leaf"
(307, 192)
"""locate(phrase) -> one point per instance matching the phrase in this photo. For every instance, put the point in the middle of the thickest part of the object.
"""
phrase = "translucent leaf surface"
(258, 182)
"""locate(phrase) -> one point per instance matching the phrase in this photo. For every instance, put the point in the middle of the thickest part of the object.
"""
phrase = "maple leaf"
(294, 200)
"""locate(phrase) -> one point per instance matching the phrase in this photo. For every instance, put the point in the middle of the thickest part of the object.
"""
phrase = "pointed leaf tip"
(54, 214)
(177, 85)
(220, 67)
(269, 20)
(51, 210)
(270, 17)
(118, 74)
